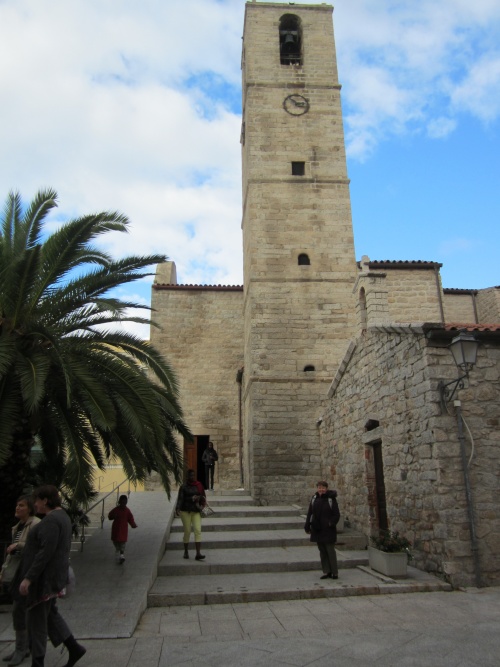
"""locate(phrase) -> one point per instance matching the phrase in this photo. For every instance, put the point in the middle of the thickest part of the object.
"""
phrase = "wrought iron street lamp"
(464, 350)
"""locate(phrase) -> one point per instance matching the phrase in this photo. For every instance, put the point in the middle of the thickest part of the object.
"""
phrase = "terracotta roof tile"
(403, 264)
(454, 326)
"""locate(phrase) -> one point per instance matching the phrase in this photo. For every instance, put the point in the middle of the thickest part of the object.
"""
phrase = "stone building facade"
(256, 362)
(393, 450)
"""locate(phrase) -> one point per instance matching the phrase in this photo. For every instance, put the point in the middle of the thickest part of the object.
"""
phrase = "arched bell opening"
(290, 33)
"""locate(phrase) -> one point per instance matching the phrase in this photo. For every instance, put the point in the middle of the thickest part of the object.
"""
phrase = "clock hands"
(296, 104)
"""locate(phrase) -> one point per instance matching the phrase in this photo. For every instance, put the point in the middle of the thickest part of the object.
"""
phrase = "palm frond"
(40, 207)
(87, 394)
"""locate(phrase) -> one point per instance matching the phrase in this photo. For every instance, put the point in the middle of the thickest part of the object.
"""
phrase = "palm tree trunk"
(14, 481)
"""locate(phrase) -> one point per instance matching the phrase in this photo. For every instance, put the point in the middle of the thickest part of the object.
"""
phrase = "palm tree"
(80, 390)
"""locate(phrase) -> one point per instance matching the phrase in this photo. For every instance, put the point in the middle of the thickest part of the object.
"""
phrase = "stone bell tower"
(299, 263)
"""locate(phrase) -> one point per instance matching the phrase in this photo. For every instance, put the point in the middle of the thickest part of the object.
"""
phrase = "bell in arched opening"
(290, 40)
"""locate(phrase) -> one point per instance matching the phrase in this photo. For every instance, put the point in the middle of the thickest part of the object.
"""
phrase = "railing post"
(82, 537)
(89, 509)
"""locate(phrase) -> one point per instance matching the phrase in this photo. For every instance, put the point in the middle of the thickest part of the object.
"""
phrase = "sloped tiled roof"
(414, 264)
(456, 290)
(454, 326)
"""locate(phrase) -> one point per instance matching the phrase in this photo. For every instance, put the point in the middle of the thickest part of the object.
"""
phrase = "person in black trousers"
(209, 457)
(44, 575)
(321, 524)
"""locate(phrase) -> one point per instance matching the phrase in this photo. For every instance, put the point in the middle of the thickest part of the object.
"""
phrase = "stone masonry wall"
(390, 377)
(480, 405)
(285, 441)
(459, 308)
(202, 338)
(413, 296)
(488, 305)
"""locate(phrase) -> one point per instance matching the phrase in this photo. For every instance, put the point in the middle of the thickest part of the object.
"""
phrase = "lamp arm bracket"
(447, 390)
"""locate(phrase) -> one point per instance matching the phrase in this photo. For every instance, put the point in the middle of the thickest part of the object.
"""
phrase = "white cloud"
(135, 106)
(439, 128)
(434, 57)
(479, 93)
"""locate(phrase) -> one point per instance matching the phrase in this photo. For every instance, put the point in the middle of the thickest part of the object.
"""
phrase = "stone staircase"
(258, 553)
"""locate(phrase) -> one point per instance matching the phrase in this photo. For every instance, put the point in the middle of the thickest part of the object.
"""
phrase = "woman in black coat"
(321, 524)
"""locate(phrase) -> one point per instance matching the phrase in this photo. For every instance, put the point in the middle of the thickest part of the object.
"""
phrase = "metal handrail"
(101, 500)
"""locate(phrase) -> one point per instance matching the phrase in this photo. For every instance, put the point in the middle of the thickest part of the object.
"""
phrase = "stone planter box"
(391, 564)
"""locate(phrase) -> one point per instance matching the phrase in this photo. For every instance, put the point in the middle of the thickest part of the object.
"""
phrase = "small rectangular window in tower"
(298, 168)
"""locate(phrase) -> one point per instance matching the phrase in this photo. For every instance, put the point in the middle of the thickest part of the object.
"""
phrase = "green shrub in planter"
(391, 542)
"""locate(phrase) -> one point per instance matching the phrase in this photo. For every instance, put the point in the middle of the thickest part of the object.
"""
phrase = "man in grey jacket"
(44, 573)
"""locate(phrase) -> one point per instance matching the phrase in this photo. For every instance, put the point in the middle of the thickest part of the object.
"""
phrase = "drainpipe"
(468, 493)
(440, 296)
(474, 305)
(239, 380)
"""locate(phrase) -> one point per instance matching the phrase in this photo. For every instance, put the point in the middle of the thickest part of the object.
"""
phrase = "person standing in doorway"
(209, 457)
(321, 524)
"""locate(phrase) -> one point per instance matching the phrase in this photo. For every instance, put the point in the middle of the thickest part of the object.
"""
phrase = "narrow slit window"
(298, 168)
(309, 368)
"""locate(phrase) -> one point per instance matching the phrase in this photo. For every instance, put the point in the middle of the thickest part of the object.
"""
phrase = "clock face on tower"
(296, 105)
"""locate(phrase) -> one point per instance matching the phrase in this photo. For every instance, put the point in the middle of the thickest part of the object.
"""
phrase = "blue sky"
(136, 107)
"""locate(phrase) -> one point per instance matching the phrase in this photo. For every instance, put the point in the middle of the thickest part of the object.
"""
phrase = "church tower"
(299, 262)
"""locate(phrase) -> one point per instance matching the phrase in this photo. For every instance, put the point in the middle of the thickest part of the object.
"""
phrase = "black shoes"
(199, 557)
(75, 653)
(329, 576)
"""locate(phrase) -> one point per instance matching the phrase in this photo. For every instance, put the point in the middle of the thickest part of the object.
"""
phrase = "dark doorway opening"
(380, 486)
(193, 451)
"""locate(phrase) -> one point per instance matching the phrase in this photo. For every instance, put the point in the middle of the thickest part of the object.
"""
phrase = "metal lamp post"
(464, 349)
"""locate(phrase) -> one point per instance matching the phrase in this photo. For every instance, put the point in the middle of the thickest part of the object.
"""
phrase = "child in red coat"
(121, 517)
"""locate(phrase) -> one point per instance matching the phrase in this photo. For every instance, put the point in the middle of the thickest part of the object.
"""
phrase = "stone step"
(271, 586)
(223, 524)
(229, 501)
(254, 539)
(254, 555)
(252, 511)
(236, 561)
(231, 492)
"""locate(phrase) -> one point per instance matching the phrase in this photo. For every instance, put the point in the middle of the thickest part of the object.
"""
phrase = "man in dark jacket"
(44, 572)
(321, 524)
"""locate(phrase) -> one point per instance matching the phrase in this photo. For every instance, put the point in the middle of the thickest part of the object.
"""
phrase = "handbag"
(200, 503)
(10, 567)
(207, 511)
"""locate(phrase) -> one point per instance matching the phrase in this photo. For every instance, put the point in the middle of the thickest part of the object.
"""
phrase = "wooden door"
(191, 455)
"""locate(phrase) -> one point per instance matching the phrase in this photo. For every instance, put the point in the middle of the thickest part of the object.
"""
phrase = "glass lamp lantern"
(464, 350)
